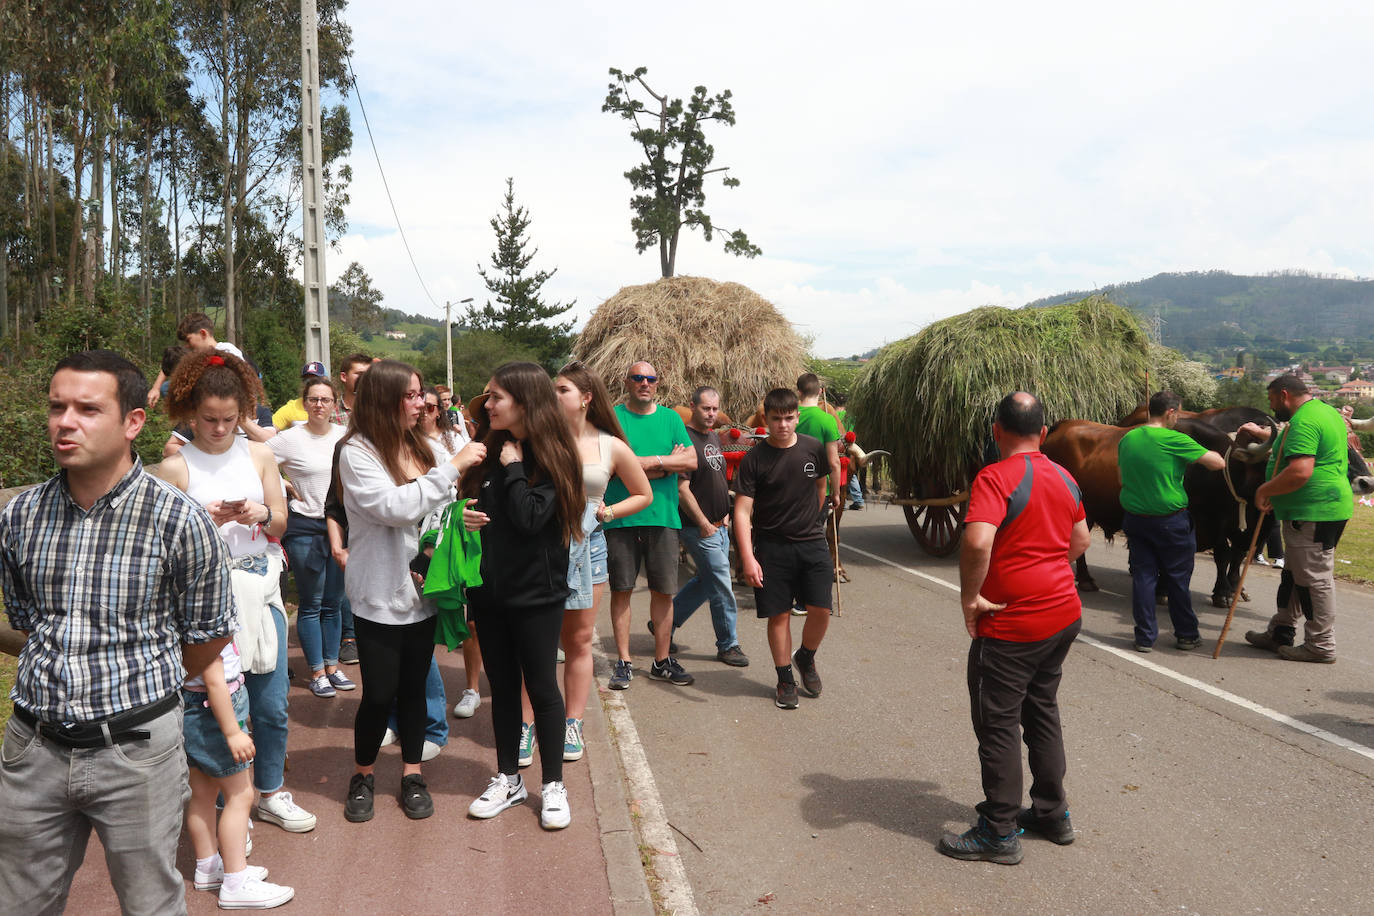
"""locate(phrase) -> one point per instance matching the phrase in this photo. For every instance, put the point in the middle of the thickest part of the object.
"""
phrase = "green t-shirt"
(815, 421)
(654, 434)
(1152, 461)
(1317, 430)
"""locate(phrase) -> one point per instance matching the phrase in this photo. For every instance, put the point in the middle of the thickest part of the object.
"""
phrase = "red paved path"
(446, 864)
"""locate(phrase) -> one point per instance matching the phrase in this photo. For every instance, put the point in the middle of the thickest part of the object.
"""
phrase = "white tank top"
(230, 475)
(596, 476)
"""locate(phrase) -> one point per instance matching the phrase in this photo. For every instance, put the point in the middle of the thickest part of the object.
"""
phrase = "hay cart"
(930, 398)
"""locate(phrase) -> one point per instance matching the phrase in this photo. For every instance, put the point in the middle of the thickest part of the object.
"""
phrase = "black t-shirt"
(782, 482)
(707, 482)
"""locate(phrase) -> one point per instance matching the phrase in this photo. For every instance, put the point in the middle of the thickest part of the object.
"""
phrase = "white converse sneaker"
(254, 894)
(555, 814)
(467, 704)
(502, 792)
(389, 737)
(279, 809)
(212, 879)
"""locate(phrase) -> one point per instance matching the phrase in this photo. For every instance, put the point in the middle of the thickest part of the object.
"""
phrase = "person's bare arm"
(12, 640)
(1212, 461)
(626, 466)
(257, 433)
(744, 540)
(222, 705)
(688, 504)
(975, 555)
(197, 656)
(336, 545)
(1079, 539)
(681, 458)
(1297, 472)
(832, 455)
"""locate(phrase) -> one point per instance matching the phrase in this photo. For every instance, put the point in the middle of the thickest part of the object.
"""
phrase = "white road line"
(1135, 659)
(673, 889)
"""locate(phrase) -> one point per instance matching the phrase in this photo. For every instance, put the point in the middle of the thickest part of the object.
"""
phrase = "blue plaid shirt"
(109, 596)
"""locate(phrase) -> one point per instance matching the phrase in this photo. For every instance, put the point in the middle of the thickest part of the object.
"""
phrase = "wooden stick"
(1245, 568)
(835, 526)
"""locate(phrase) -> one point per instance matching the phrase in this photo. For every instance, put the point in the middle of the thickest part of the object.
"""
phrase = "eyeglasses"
(319, 401)
(415, 395)
(651, 379)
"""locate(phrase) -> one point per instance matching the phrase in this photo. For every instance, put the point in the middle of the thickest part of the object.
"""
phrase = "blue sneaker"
(527, 744)
(980, 844)
(621, 676)
(572, 740)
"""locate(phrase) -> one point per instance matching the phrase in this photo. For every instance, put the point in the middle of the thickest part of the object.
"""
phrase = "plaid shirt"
(109, 596)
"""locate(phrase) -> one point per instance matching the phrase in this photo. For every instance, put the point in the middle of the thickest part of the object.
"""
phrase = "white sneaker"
(1261, 561)
(211, 880)
(254, 894)
(502, 792)
(1278, 564)
(467, 704)
(389, 737)
(430, 751)
(279, 809)
(555, 814)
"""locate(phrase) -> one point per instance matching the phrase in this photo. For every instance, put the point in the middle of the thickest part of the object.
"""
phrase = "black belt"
(108, 733)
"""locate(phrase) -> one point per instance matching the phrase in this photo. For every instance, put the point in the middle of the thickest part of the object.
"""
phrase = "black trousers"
(1013, 694)
(522, 644)
(394, 661)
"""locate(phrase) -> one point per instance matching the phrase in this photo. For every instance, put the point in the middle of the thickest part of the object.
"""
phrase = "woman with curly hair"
(391, 477)
(238, 484)
(529, 505)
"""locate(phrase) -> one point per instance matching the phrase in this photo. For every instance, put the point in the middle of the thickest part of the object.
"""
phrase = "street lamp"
(448, 338)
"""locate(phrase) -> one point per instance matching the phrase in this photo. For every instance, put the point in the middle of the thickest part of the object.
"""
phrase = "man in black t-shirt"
(704, 505)
(780, 495)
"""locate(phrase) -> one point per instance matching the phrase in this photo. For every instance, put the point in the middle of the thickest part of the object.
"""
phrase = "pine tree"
(518, 314)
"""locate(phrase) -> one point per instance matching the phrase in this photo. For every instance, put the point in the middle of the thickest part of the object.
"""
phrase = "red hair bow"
(216, 360)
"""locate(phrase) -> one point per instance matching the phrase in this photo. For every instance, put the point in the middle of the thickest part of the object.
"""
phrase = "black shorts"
(792, 570)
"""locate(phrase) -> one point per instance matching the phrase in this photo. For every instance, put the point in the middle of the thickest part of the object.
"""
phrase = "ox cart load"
(930, 398)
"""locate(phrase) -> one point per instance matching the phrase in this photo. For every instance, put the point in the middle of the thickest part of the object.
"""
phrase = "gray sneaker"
(734, 657)
(621, 676)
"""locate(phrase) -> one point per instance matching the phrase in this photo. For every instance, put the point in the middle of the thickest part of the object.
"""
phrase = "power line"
(348, 58)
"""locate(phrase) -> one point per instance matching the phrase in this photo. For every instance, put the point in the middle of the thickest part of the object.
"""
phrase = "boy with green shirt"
(815, 421)
(1309, 491)
(1151, 461)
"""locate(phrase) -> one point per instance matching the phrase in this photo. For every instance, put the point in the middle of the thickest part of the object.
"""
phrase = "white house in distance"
(395, 335)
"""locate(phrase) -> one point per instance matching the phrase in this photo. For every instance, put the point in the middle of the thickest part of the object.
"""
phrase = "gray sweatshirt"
(382, 533)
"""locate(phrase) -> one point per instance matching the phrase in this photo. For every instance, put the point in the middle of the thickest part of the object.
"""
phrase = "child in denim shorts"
(218, 754)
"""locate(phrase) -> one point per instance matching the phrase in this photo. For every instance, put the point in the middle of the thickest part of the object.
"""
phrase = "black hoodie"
(524, 559)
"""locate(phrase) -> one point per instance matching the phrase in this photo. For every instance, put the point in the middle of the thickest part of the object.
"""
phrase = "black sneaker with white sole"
(671, 672)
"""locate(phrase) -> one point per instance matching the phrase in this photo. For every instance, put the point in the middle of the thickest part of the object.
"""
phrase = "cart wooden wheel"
(936, 527)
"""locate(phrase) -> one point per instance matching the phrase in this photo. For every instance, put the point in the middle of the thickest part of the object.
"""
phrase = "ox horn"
(865, 458)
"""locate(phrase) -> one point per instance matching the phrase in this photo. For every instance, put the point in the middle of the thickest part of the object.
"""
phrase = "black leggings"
(520, 642)
(395, 663)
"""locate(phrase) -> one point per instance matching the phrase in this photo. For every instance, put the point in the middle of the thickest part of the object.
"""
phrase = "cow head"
(1361, 482)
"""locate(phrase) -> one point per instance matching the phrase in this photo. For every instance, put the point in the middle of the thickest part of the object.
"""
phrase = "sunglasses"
(651, 379)
(431, 407)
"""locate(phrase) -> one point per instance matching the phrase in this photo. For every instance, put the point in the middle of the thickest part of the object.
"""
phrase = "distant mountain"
(1217, 310)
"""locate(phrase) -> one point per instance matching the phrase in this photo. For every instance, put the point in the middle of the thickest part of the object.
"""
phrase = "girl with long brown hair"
(528, 507)
(391, 478)
(603, 453)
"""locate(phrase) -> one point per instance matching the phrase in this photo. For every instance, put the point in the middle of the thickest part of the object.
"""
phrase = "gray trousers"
(1312, 568)
(133, 794)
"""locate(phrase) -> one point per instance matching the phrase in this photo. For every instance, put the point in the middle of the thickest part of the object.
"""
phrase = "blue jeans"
(1161, 551)
(856, 493)
(345, 615)
(50, 797)
(319, 582)
(436, 708)
(267, 706)
(712, 582)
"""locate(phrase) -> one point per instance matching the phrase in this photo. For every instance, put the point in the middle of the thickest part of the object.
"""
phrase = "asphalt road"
(1196, 785)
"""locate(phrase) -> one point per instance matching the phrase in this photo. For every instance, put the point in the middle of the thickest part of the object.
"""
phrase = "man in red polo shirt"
(1023, 529)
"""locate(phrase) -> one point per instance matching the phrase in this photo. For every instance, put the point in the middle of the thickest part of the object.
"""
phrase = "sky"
(898, 162)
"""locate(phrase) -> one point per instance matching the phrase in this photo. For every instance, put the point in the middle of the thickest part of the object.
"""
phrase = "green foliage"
(837, 375)
(670, 184)
(476, 354)
(1242, 392)
(353, 298)
(278, 353)
(519, 315)
(1191, 381)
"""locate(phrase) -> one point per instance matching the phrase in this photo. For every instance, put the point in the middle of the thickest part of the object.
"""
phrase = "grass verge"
(1355, 552)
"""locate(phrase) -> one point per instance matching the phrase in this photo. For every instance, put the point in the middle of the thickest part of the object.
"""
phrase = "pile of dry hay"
(929, 398)
(695, 332)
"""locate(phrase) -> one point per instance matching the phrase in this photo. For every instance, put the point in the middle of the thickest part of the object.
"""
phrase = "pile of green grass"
(929, 399)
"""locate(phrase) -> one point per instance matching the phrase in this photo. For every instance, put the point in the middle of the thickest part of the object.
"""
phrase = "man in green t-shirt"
(1310, 494)
(658, 437)
(1151, 460)
(814, 420)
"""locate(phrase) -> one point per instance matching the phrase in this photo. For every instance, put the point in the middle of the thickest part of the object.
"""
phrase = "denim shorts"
(206, 749)
(586, 568)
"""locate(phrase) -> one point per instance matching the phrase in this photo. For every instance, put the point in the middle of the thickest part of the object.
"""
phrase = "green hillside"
(1216, 311)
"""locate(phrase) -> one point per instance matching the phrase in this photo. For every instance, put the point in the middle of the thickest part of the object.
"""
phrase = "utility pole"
(448, 339)
(312, 196)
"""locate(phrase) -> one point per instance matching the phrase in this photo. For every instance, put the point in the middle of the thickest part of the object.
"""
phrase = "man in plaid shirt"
(120, 585)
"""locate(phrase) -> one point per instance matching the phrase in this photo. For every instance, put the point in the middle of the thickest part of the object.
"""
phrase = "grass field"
(1355, 552)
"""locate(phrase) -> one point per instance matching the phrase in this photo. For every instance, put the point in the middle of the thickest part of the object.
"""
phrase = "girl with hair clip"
(237, 482)
(603, 453)
(529, 504)
(391, 477)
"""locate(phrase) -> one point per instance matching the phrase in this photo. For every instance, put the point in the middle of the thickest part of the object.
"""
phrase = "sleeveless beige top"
(595, 476)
